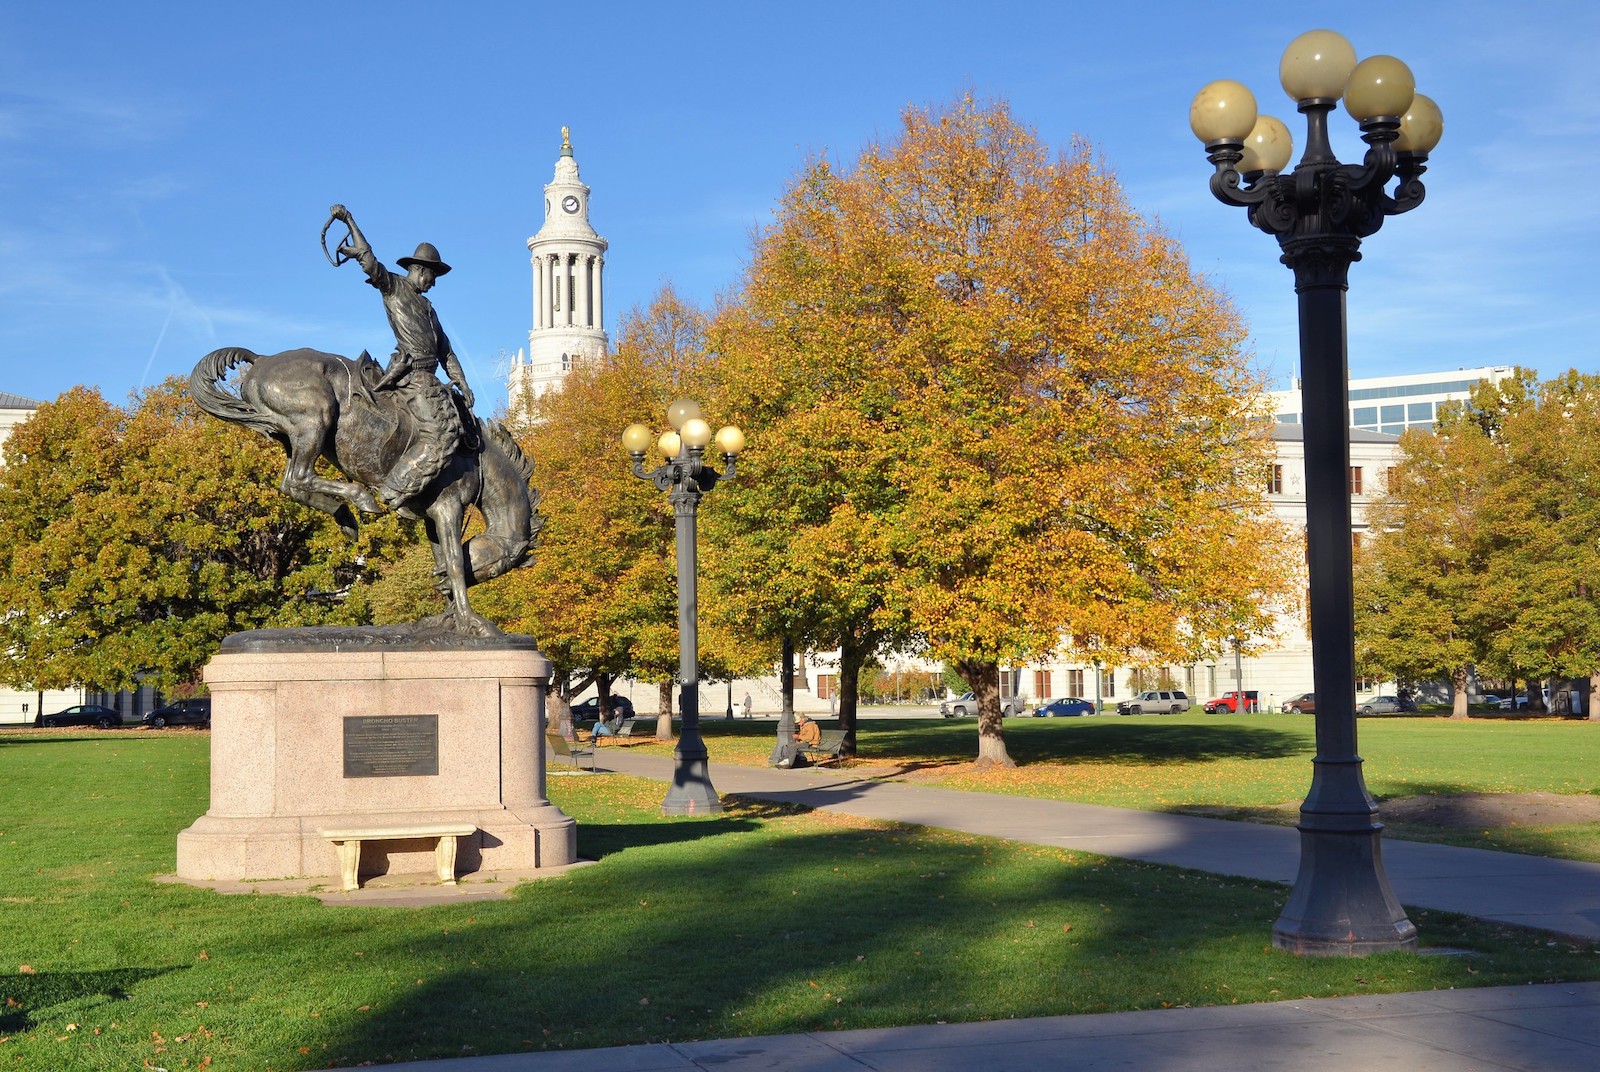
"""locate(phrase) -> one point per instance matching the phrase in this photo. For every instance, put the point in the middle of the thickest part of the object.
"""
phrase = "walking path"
(1549, 1028)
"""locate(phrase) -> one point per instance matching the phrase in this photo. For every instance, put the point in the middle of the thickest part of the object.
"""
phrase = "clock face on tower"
(569, 203)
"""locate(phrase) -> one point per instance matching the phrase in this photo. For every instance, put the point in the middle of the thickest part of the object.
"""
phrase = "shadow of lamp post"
(685, 478)
(1341, 903)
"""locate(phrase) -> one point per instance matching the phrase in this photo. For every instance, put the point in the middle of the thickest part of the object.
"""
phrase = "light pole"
(1341, 903)
(685, 478)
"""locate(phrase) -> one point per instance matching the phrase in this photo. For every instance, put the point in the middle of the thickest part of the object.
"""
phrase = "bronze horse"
(323, 405)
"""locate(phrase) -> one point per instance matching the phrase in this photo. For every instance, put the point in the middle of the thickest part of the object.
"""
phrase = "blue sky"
(165, 169)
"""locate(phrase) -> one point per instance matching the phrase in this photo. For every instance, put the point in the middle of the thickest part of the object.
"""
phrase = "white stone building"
(568, 260)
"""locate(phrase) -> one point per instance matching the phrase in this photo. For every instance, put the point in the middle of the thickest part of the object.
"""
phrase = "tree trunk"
(602, 690)
(664, 719)
(851, 656)
(1458, 702)
(984, 680)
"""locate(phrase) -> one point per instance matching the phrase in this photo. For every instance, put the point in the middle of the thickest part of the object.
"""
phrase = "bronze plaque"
(391, 746)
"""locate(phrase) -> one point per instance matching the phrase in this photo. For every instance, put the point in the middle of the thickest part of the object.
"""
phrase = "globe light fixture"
(685, 478)
(1319, 212)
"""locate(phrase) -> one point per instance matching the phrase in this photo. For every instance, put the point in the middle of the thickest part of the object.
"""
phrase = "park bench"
(826, 749)
(632, 731)
(636, 730)
(347, 840)
(563, 747)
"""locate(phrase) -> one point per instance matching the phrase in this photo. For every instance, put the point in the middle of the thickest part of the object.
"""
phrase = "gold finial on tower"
(566, 140)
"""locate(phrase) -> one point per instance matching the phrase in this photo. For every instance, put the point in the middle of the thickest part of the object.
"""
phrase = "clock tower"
(568, 286)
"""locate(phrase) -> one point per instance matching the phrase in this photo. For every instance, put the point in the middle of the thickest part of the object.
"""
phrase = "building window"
(1075, 682)
(1419, 412)
(1041, 684)
(1275, 485)
(1363, 416)
(1355, 480)
(1108, 681)
(824, 686)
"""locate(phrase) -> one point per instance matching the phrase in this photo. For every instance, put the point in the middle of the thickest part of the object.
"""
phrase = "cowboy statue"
(421, 346)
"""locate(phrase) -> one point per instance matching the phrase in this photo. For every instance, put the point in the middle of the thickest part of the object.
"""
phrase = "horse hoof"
(366, 503)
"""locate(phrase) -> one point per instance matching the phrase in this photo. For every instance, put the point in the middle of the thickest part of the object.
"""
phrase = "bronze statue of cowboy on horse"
(398, 434)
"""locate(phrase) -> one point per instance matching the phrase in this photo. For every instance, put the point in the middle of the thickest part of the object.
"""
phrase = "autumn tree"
(133, 540)
(993, 413)
(601, 596)
(1484, 555)
(1417, 576)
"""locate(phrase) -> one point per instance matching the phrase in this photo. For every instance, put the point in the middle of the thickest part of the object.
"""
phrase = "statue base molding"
(319, 730)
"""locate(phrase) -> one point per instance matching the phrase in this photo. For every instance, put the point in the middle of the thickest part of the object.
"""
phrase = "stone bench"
(348, 841)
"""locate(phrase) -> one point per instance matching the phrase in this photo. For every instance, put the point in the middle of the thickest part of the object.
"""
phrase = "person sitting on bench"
(807, 734)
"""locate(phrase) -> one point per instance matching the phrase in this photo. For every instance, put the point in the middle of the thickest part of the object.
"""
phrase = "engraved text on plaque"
(389, 746)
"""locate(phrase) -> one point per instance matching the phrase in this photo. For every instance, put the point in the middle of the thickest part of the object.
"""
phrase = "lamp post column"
(1341, 901)
(685, 477)
(1319, 212)
(691, 792)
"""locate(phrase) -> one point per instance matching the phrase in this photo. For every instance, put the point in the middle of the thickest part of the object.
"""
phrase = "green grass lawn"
(762, 920)
(1248, 766)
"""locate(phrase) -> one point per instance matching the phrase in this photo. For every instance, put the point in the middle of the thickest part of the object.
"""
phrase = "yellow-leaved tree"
(601, 595)
(994, 415)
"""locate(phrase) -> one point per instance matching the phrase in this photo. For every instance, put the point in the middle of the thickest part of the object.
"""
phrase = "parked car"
(1384, 705)
(1155, 701)
(1063, 706)
(1229, 701)
(81, 715)
(1303, 704)
(621, 707)
(195, 711)
(1505, 703)
(967, 704)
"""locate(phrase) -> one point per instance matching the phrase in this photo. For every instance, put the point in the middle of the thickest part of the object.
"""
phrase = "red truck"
(1229, 701)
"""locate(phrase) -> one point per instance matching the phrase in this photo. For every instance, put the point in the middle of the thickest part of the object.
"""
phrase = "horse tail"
(205, 387)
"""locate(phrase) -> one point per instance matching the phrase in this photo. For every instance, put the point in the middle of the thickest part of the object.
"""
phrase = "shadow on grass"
(30, 737)
(23, 996)
(780, 930)
(596, 841)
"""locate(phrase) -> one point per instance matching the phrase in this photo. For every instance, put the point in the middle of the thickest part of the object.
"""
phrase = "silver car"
(967, 704)
(1155, 701)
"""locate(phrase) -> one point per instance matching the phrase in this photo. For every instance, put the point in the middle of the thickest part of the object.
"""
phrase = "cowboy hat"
(427, 255)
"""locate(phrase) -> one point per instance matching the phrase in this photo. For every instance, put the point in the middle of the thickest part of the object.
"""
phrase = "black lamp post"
(685, 478)
(1341, 903)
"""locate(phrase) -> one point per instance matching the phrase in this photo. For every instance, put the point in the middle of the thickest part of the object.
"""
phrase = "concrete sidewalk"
(1549, 1028)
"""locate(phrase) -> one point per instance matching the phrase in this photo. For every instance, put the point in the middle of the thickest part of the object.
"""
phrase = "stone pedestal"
(283, 703)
